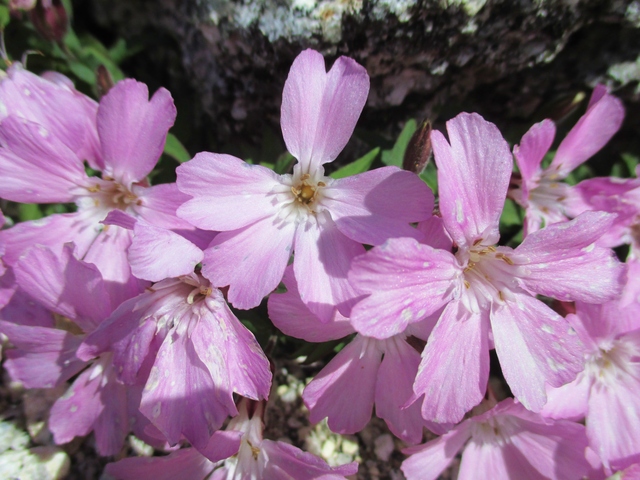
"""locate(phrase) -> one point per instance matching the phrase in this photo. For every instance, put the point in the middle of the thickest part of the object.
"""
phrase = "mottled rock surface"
(504, 58)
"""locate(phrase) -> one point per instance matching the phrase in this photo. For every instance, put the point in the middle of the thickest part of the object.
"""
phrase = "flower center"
(613, 361)
(306, 191)
(110, 195)
(488, 277)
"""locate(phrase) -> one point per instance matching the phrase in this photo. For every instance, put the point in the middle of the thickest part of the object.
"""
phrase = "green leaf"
(282, 163)
(83, 72)
(175, 149)
(510, 214)
(29, 211)
(395, 156)
(359, 166)
(4, 16)
(430, 176)
(631, 161)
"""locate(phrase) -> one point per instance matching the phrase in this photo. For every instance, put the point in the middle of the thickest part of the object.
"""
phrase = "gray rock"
(426, 58)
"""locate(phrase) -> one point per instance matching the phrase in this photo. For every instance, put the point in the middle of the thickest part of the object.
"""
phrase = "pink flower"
(488, 291)
(365, 372)
(44, 357)
(248, 457)
(39, 164)
(546, 198)
(182, 342)
(505, 442)
(613, 195)
(263, 216)
(607, 392)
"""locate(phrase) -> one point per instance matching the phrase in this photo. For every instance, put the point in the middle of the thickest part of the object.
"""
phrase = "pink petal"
(613, 422)
(488, 460)
(594, 129)
(127, 337)
(394, 388)
(133, 130)
(36, 167)
(251, 261)
(564, 263)
(536, 346)
(321, 262)
(186, 464)
(379, 204)
(427, 461)
(180, 397)
(21, 308)
(569, 401)
(344, 390)
(473, 178)
(179, 255)
(529, 154)
(42, 357)
(435, 234)
(407, 281)
(53, 230)
(285, 462)
(96, 402)
(454, 370)
(320, 109)
(67, 286)
(54, 104)
(158, 205)
(228, 193)
(231, 352)
(555, 451)
(291, 316)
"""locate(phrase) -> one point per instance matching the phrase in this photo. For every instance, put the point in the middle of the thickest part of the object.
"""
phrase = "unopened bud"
(50, 19)
(104, 82)
(418, 152)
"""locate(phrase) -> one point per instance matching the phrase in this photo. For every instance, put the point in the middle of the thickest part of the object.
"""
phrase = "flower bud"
(50, 19)
(418, 152)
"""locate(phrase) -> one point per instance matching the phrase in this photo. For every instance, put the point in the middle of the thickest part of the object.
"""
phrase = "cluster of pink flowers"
(127, 297)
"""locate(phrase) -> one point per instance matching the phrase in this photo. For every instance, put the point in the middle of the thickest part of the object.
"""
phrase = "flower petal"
(407, 281)
(228, 193)
(36, 167)
(594, 129)
(394, 388)
(133, 130)
(529, 154)
(179, 255)
(320, 109)
(42, 357)
(564, 263)
(186, 464)
(535, 346)
(426, 462)
(473, 177)
(321, 262)
(454, 370)
(344, 390)
(379, 204)
(180, 397)
(250, 260)
(291, 316)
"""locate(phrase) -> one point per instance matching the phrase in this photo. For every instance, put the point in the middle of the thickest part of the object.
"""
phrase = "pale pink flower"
(504, 443)
(542, 193)
(181, 340)
(365, 372)
(614, 195)
(607, 392)
(488, 291)
(238, 453)
(45, 357)
(263, 216)
(40, 163)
